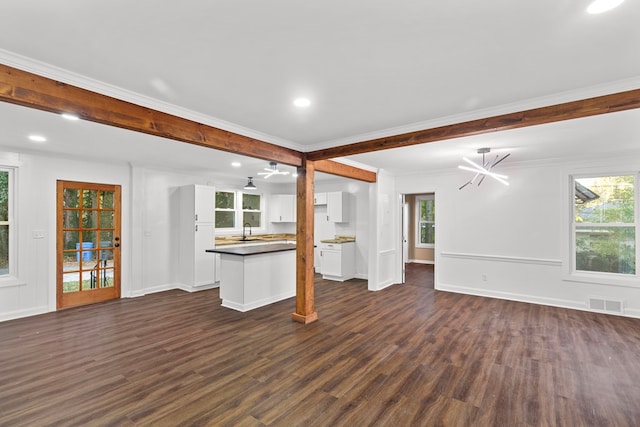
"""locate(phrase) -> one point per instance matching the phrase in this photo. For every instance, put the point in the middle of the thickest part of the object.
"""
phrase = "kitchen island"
(256, 275)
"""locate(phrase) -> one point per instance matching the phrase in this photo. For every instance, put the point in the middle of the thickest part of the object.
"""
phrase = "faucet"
(244, 230)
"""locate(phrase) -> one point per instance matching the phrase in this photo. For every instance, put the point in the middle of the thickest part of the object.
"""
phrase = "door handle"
(117, 245)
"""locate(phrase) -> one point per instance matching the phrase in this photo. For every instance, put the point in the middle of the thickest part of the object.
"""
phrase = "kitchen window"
(235, 208)
(425, 221)
(225, 209)
(252, 210)
(604, 225)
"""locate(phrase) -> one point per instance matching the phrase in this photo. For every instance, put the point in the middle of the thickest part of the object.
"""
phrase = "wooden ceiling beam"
(570, 110)
(340, 169)
(34, 91)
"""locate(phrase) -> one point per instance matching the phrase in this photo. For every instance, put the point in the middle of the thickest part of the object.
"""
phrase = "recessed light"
(70, 116)
(301, 102)
(599, 6)
(236, 164)
(37, 138)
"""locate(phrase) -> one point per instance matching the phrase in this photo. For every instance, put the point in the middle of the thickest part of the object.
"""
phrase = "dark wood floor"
(404, 356)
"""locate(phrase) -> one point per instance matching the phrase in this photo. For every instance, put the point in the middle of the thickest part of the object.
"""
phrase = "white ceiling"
(371, 68)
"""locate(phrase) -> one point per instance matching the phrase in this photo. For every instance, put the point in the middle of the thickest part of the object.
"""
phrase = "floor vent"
(608, 306)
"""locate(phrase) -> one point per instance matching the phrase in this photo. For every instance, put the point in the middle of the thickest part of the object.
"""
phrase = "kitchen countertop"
(340, 239)
(254, 250)
(257, 238)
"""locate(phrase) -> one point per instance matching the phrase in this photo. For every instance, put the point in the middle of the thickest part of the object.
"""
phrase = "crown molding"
(65, 76)
(523, 105)
(50, 71)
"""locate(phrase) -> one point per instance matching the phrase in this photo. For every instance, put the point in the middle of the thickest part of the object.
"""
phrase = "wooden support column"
(305, 307)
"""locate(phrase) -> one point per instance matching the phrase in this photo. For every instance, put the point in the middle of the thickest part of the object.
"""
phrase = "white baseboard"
(24, 313)
(255, 304)
(160, 288)
(531, 299)
(198, 288)
(383, 286)
(420, 261)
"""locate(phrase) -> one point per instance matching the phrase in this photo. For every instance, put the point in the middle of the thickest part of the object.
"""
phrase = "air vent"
(605, 305)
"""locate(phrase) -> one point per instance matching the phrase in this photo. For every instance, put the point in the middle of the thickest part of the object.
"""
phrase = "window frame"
(234, 210)
(12, 278)
(418, 221)
(260, 211)
(239, 212)
(599, 277)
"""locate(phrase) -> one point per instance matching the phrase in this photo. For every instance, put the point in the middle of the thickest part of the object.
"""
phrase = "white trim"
(544, 101)
(15, 260)
(420, 261)
(569, 273)
(502, 258)
(50, 71)
(47, 70)
(24, 313)
(155, 289)
(260, 303)
(384, 286)
(510, 296)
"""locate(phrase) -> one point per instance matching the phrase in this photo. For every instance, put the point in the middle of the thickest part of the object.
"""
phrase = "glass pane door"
(88, 243)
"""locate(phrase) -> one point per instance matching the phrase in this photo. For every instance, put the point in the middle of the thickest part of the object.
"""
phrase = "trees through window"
(426, 221)
(604, 224)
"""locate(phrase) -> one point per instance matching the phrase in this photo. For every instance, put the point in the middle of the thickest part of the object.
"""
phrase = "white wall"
(36, 211)
(149, 236)
(358, 224)
(512, 241)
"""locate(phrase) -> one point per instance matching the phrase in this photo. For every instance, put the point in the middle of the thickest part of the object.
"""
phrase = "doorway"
(87, 243)
(418, 230)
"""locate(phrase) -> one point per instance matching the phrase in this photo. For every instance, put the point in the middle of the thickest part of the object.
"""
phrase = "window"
(7, 227)
(425, 221)
(251, 209)
(604, 224)
(5, 222)
(225, 209)
(230, 217)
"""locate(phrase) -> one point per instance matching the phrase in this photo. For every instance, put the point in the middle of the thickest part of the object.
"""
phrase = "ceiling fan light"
(484, 170)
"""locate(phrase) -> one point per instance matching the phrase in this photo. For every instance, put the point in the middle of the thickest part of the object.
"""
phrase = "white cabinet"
(282, 208)
(338, 206)
(338, 261)
(320, 199)
(197, 233)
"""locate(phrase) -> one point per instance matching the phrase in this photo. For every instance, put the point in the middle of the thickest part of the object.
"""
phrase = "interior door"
(88, 243)
(405, 237)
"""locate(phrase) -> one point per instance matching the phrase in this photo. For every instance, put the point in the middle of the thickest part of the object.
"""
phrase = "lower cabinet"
(197, 267)
(338, 261)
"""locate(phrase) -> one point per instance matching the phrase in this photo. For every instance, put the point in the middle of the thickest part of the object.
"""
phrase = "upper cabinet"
(320, 199)
(198, 201)
(337, 206)
(282, 208)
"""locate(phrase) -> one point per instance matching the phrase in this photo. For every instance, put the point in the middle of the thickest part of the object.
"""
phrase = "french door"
(88, 243)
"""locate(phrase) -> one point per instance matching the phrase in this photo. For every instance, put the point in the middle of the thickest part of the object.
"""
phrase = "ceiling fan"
(272, 170)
